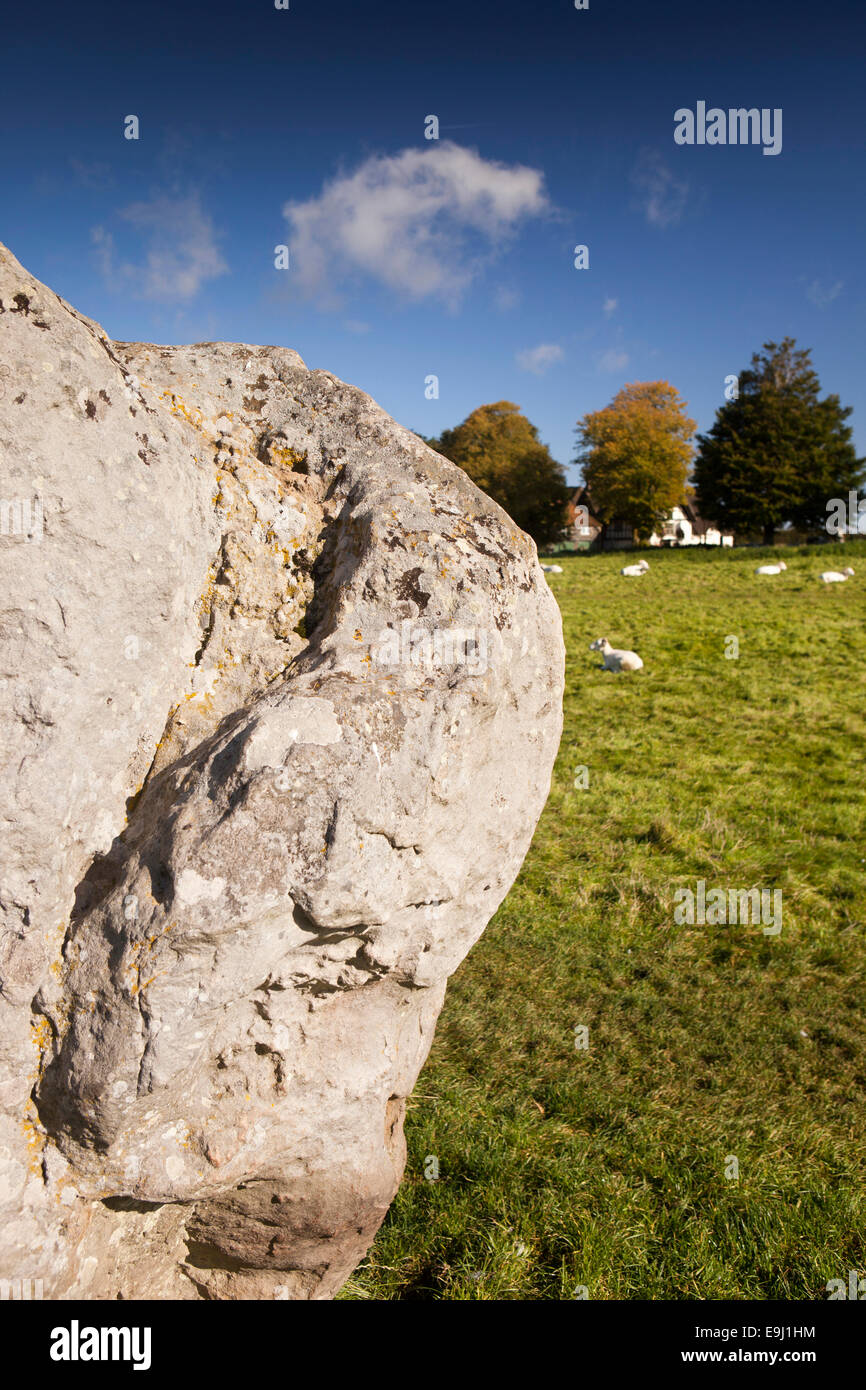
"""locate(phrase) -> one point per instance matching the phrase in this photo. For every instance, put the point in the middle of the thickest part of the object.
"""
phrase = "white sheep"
(552, 569)
(771, 569)
(615, 660)
(837, 576)
(635, 571)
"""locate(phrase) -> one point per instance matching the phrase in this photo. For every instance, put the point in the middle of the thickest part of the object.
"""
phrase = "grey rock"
(282, 699)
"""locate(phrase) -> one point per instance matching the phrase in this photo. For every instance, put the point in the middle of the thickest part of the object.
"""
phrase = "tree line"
(776, 454)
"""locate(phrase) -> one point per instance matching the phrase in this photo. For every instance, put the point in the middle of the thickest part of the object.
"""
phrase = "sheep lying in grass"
(635, 571)
(771, 569)
(615, 660)
(837, 576)
(552, 569)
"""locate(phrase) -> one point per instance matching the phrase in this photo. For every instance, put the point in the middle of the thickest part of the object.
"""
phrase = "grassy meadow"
(604, 1168)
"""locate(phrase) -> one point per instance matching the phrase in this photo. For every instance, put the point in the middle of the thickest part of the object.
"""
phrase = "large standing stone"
(282, 694)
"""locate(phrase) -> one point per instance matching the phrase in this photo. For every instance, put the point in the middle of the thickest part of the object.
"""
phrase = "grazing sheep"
(615, 660)
(552, 569)
(771, 569)
(635, 571)
(837, 576)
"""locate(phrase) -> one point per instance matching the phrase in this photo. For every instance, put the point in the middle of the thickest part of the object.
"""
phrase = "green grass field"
(605, 1167)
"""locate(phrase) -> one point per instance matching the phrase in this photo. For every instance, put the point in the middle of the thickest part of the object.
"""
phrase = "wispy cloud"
(181, 253)
(661, 196)
(821, 297)
(407, 220)
(538, 359)
(506, 298)
(613, 360)
(609, 307)
(356, 326)
(96, 176)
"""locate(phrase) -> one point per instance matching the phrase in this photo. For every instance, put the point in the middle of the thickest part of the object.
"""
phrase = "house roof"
(700, 525)
(582, 497)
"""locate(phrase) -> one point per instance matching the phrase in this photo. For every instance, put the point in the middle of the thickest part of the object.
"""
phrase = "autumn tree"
(635, 454)
(500, 450)
(777, 453)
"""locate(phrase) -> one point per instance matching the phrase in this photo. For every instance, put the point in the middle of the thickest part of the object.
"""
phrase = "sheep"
(552, 569)
(771, 569)
(837, 576)
(635, 571)
(615, 660)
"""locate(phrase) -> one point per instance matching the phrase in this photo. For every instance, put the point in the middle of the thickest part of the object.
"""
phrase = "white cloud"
(613, 361)
(609, 307)
(506, 298)
(821, 297)
(662, 196)
(181, 253)
(97, 176)
(404, 220)
(538, 359)
(356, 326)
(103, 241)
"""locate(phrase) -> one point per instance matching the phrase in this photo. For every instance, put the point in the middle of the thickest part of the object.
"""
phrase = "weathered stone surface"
(282, 694)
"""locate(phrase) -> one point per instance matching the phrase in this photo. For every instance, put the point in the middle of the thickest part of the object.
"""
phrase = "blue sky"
(411, 257)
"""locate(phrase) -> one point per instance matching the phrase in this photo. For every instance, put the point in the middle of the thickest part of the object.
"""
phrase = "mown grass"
(606, 1167)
